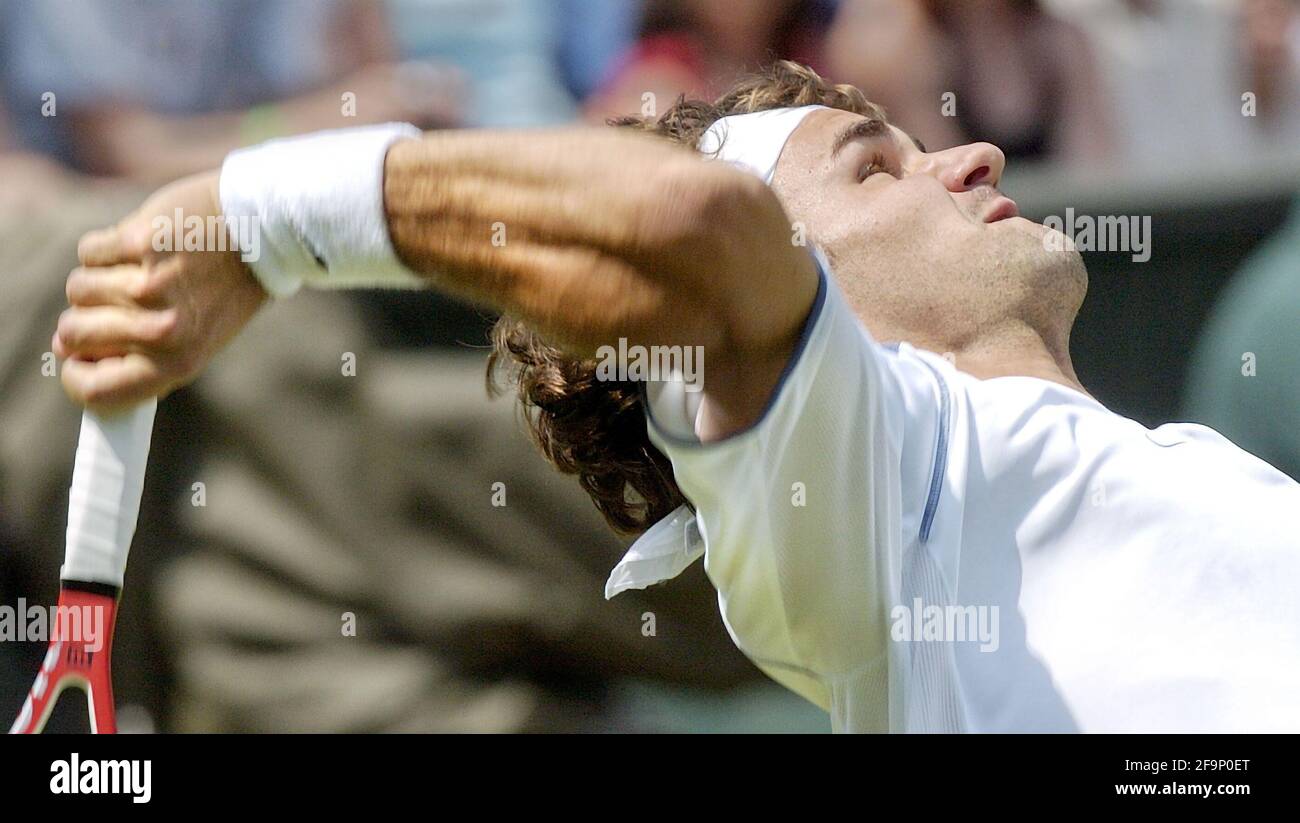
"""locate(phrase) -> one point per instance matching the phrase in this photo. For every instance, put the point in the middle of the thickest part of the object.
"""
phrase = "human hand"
(146, 315)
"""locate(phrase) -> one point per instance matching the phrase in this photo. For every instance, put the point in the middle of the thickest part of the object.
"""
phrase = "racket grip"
(104, 501)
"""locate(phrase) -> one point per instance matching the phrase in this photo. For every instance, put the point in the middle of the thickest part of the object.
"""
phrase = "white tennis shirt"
(1120, 578)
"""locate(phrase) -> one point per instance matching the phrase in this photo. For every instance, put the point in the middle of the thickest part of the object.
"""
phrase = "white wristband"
(311, 209)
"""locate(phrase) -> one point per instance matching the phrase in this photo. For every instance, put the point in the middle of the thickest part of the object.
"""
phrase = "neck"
(1014, 350)
(1019, 351)
(1006, 348)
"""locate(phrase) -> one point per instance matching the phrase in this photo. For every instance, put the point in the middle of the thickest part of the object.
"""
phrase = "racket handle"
(104, 502)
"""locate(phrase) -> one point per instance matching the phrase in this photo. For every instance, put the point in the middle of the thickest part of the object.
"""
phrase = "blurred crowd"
(153, 89)
(371, 497)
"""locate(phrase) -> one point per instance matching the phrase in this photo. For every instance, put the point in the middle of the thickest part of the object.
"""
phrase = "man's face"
(923, 243)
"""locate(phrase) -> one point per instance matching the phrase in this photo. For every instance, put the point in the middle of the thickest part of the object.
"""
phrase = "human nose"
(963, 168)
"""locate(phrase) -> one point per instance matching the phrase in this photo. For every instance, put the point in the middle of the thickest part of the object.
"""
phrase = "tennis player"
(914, 514)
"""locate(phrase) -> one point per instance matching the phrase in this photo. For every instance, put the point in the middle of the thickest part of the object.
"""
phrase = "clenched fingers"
(113, 383)
(115, 286)
(91, 332)
(112, 246)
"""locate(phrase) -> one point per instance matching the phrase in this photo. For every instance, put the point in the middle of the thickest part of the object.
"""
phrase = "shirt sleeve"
(804, 514)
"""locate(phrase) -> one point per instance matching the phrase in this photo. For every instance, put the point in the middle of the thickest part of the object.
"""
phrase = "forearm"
(601, 236)
(591, 235)
(547, 226)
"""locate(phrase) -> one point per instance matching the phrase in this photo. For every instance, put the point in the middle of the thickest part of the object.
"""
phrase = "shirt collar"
(662, 553)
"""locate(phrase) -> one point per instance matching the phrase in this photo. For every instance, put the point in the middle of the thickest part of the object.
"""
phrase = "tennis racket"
(103, 505)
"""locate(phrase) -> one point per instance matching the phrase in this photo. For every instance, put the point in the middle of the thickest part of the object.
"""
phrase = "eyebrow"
(867, 128)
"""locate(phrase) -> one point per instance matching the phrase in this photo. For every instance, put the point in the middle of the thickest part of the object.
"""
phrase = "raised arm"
(590, 235)
(601, 235)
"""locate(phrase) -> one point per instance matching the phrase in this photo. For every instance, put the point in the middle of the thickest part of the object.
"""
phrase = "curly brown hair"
(596, 429)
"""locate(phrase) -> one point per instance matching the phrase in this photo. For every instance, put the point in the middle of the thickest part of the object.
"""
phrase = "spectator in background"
(506, 50)
(596, 36)
(1270, 32)
(1019, 76)
(1244, 380)
(698, 47)
(1177, 71)
(27, 175)
(154, 89)
(524, 62)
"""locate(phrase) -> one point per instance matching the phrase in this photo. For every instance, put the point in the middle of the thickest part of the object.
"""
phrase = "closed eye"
(876, 165)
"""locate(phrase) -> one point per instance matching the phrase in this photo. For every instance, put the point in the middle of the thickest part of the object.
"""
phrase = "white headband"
(753, 142)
